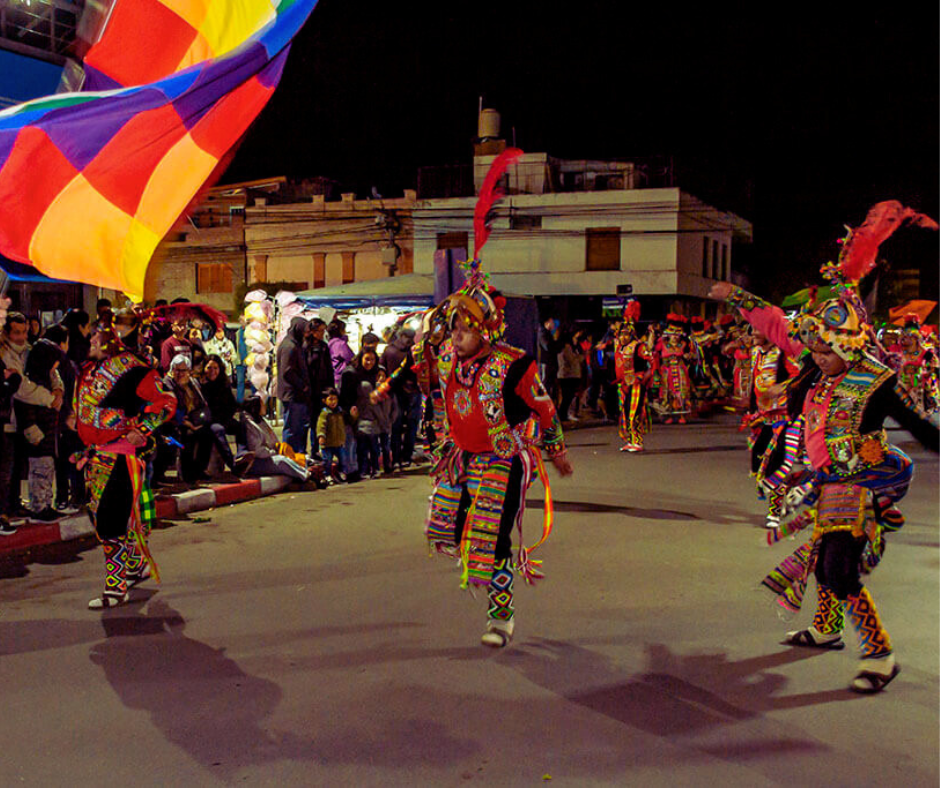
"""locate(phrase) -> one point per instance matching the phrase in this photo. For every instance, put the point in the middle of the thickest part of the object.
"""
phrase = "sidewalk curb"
(168, 506)
(173, 506)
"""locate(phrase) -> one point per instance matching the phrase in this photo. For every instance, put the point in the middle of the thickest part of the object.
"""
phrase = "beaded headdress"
(842, 323)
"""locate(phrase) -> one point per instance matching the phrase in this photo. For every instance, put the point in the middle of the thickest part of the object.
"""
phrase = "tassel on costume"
(873, 640)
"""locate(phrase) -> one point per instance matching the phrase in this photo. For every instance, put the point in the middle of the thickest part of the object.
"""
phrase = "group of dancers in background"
(685, 366)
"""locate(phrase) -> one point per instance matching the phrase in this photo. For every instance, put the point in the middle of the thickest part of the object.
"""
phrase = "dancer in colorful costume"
(843, 394)
(918, 366)
(670, 355)
(632, 363)
(706, 380)
(767, 419)
(497, 417)
(119, 402)
(737, 346)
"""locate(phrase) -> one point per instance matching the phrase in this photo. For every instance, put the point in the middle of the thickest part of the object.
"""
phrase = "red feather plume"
(490, 195)
(859, 254)
(632, 311)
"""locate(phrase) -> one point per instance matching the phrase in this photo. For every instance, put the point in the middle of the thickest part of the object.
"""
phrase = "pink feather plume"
(490, 195)
(859, 255)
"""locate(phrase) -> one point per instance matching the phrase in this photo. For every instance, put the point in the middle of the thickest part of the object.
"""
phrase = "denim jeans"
(368, 448)
(296, 426)
(334, 458)
(351, 465)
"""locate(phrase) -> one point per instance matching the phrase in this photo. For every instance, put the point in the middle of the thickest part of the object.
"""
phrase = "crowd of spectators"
(577, 368)
(325, 391)
(39, 368)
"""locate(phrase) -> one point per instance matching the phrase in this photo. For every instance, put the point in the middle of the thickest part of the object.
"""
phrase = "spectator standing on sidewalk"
(359, 381)
(331, 435)
(340, 352)
(385, 412)
(174, 345)
(570, 360)
(319, 370)
(39, 426)
(14, 351)
(9, 383)
(223, 347)
(69, 484)
(405, 388)
(549, 347)
(293, 386)
(78, 324)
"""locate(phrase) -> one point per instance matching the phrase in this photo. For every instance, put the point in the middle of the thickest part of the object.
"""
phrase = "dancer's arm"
(764, 316)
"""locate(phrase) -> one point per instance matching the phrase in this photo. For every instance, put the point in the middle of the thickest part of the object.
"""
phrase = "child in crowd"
(385, 412)
(262, 440)
(331, 435)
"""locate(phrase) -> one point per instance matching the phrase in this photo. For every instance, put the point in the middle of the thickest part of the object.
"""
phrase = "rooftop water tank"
(488, 125)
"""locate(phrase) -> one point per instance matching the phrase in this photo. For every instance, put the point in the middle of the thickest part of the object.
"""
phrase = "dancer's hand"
(562, 464)
(135, 438)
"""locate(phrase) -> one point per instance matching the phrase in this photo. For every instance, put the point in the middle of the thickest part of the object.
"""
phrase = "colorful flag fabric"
(91, 182)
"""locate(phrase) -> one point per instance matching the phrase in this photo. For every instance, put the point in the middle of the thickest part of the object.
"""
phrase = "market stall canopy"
(409, 291)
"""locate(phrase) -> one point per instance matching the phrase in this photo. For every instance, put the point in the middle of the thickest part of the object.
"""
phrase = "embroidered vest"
(625, 360)
(98, 425)
(765, 366)
(480, 406)
(834, 412)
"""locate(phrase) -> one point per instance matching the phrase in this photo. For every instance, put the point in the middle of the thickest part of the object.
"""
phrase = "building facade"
(319, 243)
(580, 231)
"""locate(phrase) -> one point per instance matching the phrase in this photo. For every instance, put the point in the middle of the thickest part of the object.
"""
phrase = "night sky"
(797, 117)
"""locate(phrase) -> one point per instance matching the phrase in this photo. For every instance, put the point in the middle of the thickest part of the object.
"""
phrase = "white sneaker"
(498, 633)
(106, 600)
(875, 674)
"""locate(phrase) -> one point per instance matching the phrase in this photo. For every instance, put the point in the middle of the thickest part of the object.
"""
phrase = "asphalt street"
(308, 639)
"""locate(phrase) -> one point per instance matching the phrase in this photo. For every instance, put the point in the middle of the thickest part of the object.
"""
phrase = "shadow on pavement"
(69, 552)
(199, 699)
(204, 703)
(676, 697)
(605, 508)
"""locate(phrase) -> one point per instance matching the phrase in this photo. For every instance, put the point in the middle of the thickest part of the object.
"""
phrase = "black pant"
(837, 564)
(761, 442)
(511, 506)
(18, 470)
(569, 389)
(114, 508)
(69, 484)
(7, 449)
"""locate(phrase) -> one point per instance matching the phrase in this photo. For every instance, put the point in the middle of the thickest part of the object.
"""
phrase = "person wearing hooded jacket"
(13, 352)
(9, 383)
(39, 425)
(404, 432)
(293, 386)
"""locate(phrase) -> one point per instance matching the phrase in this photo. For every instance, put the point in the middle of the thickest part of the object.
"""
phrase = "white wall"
(552, 260)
